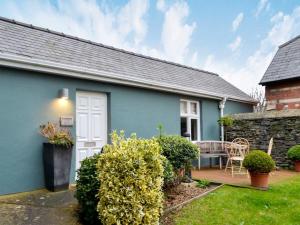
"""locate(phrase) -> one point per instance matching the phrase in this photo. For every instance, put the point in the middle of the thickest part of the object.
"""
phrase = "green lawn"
(243, 206)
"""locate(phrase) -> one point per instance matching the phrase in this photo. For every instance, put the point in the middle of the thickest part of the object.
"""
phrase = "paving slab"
(39, 208)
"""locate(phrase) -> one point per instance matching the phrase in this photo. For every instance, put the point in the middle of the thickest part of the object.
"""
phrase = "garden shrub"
(131, 176)
(87, 188)
(226, 121)
(178, 150)
(170, 177)
(258, 161)
(294, 153)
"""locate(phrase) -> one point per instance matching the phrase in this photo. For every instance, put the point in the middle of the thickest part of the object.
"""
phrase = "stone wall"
(258, 128)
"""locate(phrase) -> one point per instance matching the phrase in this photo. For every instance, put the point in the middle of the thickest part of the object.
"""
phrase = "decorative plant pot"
(57, 165)
(260, 180)
(297, 166)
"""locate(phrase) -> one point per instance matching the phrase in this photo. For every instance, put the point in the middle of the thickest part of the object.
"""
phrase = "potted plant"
(57, 155)
(259, 164)
(226, 121)
(294, 155)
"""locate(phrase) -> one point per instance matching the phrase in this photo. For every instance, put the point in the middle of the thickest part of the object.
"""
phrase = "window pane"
(183, 125)
(194, 129)
(194, 109)
(183, 107)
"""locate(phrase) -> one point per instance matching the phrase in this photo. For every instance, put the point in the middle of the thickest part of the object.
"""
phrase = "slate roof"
(33, 42)
(285, 64)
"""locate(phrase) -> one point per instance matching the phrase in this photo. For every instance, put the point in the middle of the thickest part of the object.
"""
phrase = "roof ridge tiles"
(290, 41)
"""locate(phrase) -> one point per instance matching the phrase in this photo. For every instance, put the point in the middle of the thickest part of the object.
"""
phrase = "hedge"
(131, 177)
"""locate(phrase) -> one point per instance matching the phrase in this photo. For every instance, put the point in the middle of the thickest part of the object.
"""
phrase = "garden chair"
(236, 152)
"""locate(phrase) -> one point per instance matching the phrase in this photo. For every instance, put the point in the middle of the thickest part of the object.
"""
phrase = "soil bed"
(178, 195)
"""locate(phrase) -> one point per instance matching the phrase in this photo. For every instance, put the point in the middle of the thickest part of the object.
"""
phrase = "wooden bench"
(212, 149)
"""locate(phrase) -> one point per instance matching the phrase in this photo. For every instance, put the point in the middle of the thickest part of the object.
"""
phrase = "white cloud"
(237, 21)
(131, 19)
(235, 44)
(248, 74)
(262, 5)
(161, 5)
(176, 34)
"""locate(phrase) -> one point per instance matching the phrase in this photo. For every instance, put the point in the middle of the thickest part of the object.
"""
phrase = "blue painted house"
(108, 89)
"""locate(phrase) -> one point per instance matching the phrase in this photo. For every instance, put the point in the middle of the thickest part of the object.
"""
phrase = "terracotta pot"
(297, 166)
(260, 180)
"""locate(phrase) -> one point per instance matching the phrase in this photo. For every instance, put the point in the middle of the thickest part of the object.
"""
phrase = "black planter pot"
(57, 166)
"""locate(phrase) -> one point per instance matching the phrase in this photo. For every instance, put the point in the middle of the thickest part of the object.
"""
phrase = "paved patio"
(220, 176)
(39, 208)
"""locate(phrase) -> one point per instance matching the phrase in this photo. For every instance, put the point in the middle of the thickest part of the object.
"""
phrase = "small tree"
(259, 95)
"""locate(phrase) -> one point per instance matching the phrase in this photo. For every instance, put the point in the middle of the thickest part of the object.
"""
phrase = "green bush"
(226, 121)
(258, 161)
(131, 176)
(87, 188)
(294, 153)
(178, 150)
(170, 177)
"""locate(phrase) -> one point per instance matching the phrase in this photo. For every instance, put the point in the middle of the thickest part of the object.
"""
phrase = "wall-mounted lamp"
(63, 93)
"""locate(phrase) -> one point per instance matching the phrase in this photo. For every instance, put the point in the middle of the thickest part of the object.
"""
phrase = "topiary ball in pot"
(259, 164)
(294, 155)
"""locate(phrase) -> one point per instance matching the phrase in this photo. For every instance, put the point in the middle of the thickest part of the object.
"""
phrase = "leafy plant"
(226, 121)
(202, 183)
(131, 177)
(178, 150)
(258, 161)
(170, 177)
(294, 153)
(56, 135)
(87, 188)
(160, 129)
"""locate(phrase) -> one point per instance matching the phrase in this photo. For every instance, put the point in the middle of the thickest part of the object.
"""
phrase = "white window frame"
(190, 116)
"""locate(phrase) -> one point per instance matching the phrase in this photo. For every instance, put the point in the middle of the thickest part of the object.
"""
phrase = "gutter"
(26, 63)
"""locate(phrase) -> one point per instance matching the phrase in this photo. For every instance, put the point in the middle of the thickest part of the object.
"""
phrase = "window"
(183, 107)
(190, 119)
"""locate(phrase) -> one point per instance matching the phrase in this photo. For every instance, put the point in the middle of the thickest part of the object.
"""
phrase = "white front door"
(91, 124)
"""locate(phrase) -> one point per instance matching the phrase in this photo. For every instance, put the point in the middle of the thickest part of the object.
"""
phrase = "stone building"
(282, 78)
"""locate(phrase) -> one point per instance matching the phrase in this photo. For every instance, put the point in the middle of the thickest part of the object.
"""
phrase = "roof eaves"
(83, 73)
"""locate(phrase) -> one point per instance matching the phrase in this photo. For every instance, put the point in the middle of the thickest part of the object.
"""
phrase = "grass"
(242, 206)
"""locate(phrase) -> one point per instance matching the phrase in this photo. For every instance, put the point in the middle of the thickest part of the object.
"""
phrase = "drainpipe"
(221, 107)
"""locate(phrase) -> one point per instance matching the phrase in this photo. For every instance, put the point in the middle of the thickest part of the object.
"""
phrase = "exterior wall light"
(63, 93)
